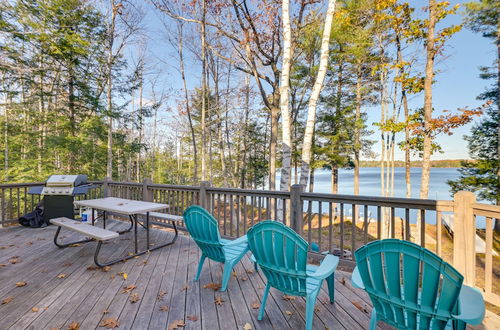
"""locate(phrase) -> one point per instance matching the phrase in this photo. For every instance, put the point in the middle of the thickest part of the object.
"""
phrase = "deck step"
(97, 233)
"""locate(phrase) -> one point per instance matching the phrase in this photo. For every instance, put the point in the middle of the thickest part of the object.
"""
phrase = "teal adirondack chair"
(204, 230)
(412, 288)
(281, 254)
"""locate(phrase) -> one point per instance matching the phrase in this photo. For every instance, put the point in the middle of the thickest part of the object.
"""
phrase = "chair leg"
(310, 302)
(263, 303)
(226, 276)
(373, 320)
(200, 266)
(458, 325)
(330, 280)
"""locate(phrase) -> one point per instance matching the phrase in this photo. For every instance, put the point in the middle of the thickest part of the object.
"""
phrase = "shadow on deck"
(61, 289)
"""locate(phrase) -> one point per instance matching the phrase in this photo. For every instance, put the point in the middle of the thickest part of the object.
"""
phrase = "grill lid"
(66, 180)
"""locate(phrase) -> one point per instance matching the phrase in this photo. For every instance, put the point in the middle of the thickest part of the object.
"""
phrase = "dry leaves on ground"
(92, 267)
(106, 268)
(193, 318)
(234, 274)
(67, 264)
(128, 288)
(105, 311)
(176, 325)
(342, 280)
(134, 297)
(288, 298)
(213, 286)
(35, 309)
(2, 265)
(110, 323)
(74, 245)
(255, 305)
(249, 271)
(6, 300)
(244, 278)
(161, 295)
(74, 326)
(21, 283)
(247, 326)
(288, 312)
(14, 260)
(61, 276)
(219, 301)
(164, 308)
(360, 306)
(29, 243)
(185, 288)
(124, 275)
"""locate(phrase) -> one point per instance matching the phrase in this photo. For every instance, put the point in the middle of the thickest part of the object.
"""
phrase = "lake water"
(369, 185)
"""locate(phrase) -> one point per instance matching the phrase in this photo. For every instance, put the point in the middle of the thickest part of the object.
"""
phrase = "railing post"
(105, 186)
(464, 235)
(204, 200)
(147, 194)
(296, 208)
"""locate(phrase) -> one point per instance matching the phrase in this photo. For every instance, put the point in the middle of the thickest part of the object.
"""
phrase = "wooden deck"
(60, 289)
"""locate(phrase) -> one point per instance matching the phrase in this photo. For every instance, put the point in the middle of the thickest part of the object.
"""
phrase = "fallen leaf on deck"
(124, 275)
(20, 284)
(106, 268)
(134, 297)
(193, 318)
(244, 278)
(2, 265)
(105, 311)
(213, 286)
(255, 305)
(14, 260)
(29, 243)
(110, 323)
(45, 308)
(145, 262)
(360, 306)
(249, 271)
(247, 326)
(7, 300)
(74, 245)
(288, 312)
(161, 295)
(67, 264)
(185, 288)
(288, 298)
(61, 276)
(3, 247)
(176, 324)
(35, 309)
(92, 268)
(234, 274)
(316, 309)
(342, 280)
(131, 254)
(128, 288)
(164, 308)
(74, 326)
(219, 301)
(55, 329)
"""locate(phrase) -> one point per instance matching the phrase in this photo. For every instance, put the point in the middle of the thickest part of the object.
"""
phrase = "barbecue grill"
(59, 194)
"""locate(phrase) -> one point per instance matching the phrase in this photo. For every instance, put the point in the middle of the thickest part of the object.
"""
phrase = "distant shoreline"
(447, 163)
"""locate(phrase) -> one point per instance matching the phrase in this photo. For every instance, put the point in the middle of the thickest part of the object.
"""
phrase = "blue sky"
(457, 85)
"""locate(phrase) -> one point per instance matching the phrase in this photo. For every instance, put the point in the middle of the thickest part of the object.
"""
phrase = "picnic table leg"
(58, 231)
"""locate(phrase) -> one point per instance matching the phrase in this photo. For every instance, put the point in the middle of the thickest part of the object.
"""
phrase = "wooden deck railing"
(338, 224)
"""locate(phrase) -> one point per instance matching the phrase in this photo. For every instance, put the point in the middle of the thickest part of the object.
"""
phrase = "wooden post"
(147, 194)
(204, 198)
(105, 186)
(464, 235)
(296, 208)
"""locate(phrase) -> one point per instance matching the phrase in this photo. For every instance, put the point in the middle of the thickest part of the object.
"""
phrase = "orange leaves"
(255, 305)
(35, 309)
(193, 318)
(14, 260)
(161, 295)
(74, 326)
(164, 308)
(360, 306)
(6, 300)
(128, 288)
(110, 323)
(176, 325)
(213, 286)
(219, 301)
(21, 284)
(288, 298)
(134, 297)
(61, 276)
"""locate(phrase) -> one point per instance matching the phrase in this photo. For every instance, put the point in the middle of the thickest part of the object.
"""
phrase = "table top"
(121, 205)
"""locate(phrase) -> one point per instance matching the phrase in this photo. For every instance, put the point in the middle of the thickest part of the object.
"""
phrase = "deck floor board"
(163, 278)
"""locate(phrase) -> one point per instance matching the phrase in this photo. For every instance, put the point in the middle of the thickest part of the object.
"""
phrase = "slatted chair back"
(204, 230)
(281, 254)
(409, 286)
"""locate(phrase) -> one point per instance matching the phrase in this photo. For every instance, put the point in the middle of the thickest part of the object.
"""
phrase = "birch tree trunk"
(203, 94)
(429, 75)
(109, 164)
(313, 100)
(357, 129)
(284, 97)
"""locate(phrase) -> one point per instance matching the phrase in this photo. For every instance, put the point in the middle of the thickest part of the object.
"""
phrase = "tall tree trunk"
(497, 221)
(6, 130)
(188, 107)
(111, 32)
(72, 119)
(203, 94)
(273, 143)
(429, 75)
(284, 98)
(357, 129)
(313, 100)
(141, 122)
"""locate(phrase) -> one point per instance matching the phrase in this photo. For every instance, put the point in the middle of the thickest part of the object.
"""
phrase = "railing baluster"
(393, 223)
(342, 230)
(320, 225)
(330, 226)
(407, 225)
(260, 208)
(438, 233)
(309, 222)
(252, 212)
(365, 224)
(379, 222)
(422, 228)
(488, 257)
(231, 214)
(225, 214)
(353, 233)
